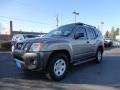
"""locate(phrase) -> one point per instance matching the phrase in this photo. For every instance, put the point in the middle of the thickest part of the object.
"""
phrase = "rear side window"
(98, 33)
(91, 33)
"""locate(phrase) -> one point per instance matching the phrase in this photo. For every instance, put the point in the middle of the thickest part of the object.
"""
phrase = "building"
(4, 37)
(8, 37)
(117, 37)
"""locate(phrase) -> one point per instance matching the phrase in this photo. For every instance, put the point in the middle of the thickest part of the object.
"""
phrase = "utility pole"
(11, 29)
(75, 13)
(102, 23)
(57, 21)
(98, 27)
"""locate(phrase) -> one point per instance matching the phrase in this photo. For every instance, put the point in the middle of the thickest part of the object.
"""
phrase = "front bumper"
(31, 60)
(108, 43)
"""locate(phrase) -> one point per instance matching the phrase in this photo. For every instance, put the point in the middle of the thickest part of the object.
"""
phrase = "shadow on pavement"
(112, 47)
(88, 76)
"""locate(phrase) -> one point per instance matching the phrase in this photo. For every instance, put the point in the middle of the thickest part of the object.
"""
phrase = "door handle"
(88, 42)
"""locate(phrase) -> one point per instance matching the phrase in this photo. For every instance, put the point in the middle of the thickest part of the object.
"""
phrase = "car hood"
(46, 39)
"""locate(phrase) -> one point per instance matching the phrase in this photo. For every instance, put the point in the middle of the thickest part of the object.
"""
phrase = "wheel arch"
(59, 51)
(101, 47)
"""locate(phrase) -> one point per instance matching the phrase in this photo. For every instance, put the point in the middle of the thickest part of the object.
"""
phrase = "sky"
(40, 15)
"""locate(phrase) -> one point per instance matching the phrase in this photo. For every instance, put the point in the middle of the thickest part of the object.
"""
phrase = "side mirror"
(79, 35)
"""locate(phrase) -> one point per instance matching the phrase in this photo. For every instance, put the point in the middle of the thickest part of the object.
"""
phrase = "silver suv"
(54, 53)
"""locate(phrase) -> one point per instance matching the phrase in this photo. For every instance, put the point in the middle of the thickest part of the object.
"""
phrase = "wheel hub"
(99, 55)
(59, 67)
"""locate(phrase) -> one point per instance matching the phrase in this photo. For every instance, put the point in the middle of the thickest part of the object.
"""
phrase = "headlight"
(35, 47)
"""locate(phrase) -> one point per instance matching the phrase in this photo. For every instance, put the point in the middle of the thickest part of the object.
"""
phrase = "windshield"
(63, 31)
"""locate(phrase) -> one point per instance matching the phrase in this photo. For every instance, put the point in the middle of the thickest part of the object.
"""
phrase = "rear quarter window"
(98, 33)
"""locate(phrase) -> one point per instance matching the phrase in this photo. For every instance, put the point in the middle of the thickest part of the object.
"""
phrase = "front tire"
(58, 66)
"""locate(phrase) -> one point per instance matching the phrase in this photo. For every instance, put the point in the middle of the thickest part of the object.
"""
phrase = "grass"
(4, 46)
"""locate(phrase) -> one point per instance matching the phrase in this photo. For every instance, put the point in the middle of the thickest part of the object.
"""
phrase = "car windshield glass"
(63, 31)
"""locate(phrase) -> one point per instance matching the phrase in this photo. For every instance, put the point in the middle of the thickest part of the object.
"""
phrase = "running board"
(84, 61)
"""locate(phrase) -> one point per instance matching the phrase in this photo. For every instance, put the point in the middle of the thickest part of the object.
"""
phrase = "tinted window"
(82, 31)
(99, 34)
(91, 33)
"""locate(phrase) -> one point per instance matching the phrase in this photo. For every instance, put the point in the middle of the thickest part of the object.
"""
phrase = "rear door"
(92, 40)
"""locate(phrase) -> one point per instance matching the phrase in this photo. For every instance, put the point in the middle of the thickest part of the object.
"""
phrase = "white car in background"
(108, 42)
(20, 38)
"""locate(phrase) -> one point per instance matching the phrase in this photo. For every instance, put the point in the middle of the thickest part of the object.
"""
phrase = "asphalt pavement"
(88, 76)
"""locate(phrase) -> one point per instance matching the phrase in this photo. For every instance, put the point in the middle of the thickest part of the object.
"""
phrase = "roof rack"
(83, 24)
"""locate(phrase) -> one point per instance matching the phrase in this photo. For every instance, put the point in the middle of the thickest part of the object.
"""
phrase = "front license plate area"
(19, 64)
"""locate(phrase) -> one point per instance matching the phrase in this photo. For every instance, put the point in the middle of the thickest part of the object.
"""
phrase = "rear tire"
(58, 67)
(99, 56)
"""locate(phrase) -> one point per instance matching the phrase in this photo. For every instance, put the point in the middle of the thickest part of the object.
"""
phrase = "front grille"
(26, 46)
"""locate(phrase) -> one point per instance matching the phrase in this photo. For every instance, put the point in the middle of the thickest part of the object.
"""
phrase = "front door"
(80, 45)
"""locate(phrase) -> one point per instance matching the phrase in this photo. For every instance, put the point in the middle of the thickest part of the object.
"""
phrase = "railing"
(116, 42)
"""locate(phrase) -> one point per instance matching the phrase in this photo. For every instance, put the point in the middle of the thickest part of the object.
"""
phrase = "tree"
(117, 31)
(112, 33)
(107, 34)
